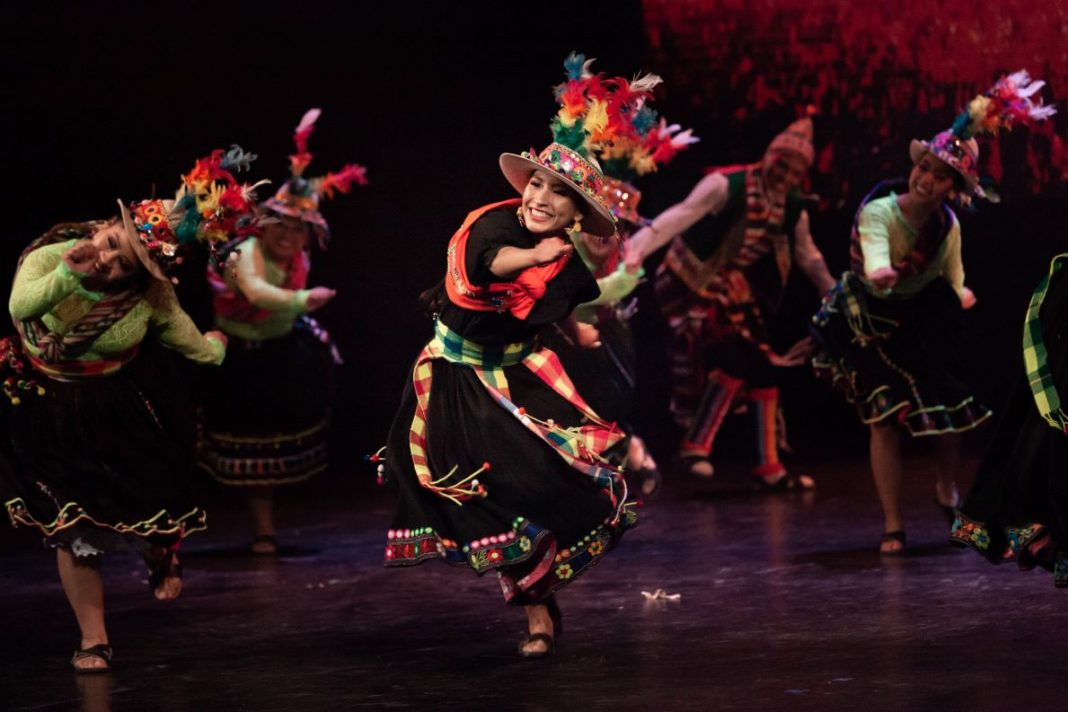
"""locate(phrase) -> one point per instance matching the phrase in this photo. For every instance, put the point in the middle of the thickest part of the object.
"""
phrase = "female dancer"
(889, 329)
(499, 462)
(99, 457)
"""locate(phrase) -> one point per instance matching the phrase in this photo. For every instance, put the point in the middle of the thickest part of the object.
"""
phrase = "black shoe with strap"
(557, 618)
(100, 651)
(894, 536)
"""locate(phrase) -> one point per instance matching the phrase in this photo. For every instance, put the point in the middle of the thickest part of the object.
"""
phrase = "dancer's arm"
(708, 197)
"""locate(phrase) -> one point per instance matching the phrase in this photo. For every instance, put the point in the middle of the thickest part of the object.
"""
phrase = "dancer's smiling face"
(549, 204)
(283, 237)
(116, 260)
(932, 180)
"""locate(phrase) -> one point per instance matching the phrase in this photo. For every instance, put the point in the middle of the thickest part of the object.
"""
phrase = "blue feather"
(644, 120)
(573, 65)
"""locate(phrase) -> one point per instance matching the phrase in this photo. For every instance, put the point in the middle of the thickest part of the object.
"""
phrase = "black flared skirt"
(105, 462)
(897, 358)
(266, 411)
(541, 524)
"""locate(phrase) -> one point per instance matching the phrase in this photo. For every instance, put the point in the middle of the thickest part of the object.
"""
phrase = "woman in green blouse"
(100, 448)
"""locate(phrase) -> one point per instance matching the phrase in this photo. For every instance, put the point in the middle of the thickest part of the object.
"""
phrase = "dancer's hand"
(967, 298)
(551, 249)
(219, 336)
(883, 278)
(318, 297)
(796, 355)
(82, 257)
(586, 335)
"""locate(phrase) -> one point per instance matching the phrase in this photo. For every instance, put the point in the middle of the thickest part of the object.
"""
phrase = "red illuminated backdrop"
(879, 73)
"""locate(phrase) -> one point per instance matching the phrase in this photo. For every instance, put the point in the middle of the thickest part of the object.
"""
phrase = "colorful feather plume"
(300, 160)
(342, 180)
(212, 203)
(1006, 104)
(609, 118)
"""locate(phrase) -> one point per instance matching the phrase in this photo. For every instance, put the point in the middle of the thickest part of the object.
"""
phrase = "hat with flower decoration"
(594, 112)
(1004, 105)
(299, 197)
(210, 207)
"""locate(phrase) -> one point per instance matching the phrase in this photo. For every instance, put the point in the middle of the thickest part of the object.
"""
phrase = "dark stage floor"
(784, 605)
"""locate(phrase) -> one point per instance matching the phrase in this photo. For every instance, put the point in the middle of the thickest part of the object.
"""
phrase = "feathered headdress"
(1006, 104)
(625, 134)
(300, 196)
(596, 113)
(210, 207)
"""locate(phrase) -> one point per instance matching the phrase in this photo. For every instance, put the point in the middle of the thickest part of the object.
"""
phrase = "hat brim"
(138, 247)
(597, 220)
(314, 218)
(918, 148)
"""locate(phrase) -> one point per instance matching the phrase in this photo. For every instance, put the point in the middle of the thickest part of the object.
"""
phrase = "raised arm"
(708, 197)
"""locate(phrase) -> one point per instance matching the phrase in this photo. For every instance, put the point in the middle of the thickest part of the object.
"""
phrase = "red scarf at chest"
(516, 297)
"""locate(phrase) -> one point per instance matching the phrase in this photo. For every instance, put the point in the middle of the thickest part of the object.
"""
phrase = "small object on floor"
(789, 481)
(697, 465)
(100, 651)
(660, 595)
(264, 545)
(897, 538)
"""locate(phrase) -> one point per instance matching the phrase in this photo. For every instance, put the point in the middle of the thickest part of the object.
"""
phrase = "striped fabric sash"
(1036, 358)
(75, 370)
(580, 446)
(763, 226)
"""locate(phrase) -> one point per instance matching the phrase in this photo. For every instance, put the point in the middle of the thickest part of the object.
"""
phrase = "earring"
(519, 214)
(576, 227)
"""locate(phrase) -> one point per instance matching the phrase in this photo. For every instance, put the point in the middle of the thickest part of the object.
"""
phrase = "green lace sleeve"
(42, 281)
(616, 286)
(177, 331)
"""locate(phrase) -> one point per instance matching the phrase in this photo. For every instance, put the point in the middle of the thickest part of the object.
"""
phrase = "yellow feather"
(596, 118)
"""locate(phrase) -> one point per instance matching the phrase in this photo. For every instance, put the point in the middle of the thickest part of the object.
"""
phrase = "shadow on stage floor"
(784, 605)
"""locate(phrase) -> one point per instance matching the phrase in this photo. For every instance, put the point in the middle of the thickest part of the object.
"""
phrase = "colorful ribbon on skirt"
(580, 446)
